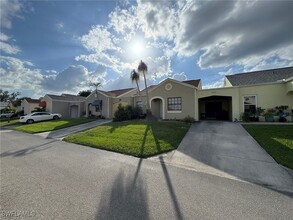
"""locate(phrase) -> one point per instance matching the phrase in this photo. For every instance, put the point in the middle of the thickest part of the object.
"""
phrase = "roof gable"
(29, 100)
(259, 77)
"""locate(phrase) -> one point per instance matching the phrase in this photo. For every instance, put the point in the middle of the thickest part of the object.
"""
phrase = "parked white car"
(39, 116)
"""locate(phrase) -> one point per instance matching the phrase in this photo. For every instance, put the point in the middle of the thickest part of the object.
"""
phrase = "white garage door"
(74, 111)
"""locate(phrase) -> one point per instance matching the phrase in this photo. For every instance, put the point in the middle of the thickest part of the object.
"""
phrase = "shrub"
(121, 114)
(188, 119)
(124, 113)
(245, 116)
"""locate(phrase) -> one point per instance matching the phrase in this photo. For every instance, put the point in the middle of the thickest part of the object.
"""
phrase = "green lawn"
(140, 139)
(277, 140)
(52, 125)
(12, 122)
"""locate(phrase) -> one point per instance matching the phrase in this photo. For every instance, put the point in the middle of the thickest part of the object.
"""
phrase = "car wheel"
(30, 121)
(55, 117)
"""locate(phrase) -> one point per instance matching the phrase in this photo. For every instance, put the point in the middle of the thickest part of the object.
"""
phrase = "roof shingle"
(67, 97)
(258, 77)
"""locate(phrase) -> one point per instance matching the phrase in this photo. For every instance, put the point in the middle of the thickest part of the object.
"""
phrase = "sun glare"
(137, 48)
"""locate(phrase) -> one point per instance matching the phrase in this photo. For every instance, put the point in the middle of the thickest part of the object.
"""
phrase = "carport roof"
(258, 77)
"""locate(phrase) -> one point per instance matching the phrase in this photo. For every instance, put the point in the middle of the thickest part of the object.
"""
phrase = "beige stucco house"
(105, 103)
(69, 106)
(172, 99)
(28, 105)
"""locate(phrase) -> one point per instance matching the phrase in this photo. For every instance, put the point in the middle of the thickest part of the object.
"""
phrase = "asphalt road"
(50, 179)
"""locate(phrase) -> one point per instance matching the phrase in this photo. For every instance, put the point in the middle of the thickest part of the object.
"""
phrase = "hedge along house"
(245, 91)
(105, 103)
(69, 106)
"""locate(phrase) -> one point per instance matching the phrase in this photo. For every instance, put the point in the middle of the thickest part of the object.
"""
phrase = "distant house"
(69, 106)
(28, 105)
(105, 103)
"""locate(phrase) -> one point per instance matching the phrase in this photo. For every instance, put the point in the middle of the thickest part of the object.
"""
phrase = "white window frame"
(174, 111)
(243, 100)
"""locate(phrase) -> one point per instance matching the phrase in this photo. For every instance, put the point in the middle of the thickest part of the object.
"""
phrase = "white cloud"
(8, 10)
(231, 32)
(9, 49)
(217, 84)
(17, 75)
(4, 37)
(179, 76)
(124, 22)
(71, 79)
(158, 18)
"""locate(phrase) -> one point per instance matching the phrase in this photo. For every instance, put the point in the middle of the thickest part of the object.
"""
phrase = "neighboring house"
(69, 106)
(245, 91)
(13, 105)
(28, 104)
(105, 103)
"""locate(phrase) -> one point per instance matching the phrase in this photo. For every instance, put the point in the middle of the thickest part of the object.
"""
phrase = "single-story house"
(28, 105)
(172, 99)
(69, 106)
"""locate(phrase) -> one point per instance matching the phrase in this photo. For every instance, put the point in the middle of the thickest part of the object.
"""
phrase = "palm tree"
(135, 78)
(96, 85)
(142, 67)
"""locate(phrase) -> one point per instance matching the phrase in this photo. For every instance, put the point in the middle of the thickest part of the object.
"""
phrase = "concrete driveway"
(226, 149)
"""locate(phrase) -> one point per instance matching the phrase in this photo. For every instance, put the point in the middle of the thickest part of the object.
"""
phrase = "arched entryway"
(74, 111)
(157, 107)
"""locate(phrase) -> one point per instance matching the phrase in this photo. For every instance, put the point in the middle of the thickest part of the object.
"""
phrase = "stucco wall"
(61, 107)
(178, 90)
(289, 86)
(268, 96)
(48, 101)
(28, 107)
(232, 92)
(105, 105)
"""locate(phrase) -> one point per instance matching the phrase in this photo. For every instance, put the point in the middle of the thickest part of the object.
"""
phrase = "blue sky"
(61, 46)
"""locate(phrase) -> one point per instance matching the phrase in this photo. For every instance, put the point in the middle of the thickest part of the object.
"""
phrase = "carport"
(215, 108)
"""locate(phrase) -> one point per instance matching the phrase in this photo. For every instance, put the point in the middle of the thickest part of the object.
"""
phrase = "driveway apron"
(226, 149)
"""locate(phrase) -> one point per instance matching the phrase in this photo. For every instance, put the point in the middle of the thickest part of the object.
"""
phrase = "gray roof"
(67, 97)
(258, 77)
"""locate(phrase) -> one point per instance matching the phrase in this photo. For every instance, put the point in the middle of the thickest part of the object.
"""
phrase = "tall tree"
(143, 68)
(135, 78)
(97, 85)
(5, 95)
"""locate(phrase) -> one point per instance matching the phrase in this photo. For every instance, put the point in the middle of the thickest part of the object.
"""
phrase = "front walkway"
(226, 149)
(61, 133)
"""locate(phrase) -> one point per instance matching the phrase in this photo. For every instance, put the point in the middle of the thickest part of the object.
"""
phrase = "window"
(250, 104)
(175, 104)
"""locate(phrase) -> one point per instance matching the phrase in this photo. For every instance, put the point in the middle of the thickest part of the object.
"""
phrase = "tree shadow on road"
(26, 151)
(126, 199)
